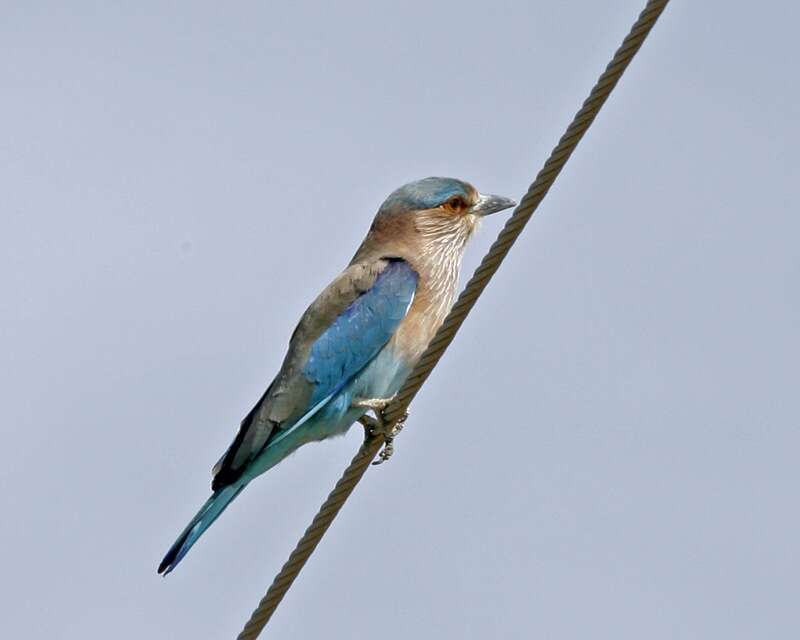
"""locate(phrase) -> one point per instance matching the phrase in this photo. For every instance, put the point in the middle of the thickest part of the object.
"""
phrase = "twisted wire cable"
(466, 300)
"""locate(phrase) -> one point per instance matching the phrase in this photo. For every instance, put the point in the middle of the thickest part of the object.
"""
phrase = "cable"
(483, 274)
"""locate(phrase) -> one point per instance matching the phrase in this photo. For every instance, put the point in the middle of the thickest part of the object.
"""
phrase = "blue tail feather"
(208, 513)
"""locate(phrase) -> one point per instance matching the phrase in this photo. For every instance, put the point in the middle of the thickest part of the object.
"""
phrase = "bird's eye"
(455, 204)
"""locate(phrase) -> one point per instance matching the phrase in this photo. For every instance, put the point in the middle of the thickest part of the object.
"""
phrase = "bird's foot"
(378, 425)
(388, 440)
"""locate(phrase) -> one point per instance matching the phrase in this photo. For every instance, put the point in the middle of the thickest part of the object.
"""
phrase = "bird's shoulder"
(354, 281)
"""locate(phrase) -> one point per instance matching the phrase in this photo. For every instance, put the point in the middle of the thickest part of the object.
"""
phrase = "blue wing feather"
(360, 331)
(356, 337)
(353, 339)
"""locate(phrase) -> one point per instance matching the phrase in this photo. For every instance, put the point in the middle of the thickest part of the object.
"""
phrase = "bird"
(359, 339)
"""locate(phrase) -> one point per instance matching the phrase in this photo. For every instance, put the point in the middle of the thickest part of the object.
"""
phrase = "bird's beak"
(488, 204)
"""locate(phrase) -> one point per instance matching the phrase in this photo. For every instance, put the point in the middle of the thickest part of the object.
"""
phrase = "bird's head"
(435, 214)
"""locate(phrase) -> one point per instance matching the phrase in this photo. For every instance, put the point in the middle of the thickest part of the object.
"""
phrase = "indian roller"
(358, 341)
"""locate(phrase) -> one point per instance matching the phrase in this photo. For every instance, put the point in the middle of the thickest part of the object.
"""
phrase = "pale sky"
(608, 450)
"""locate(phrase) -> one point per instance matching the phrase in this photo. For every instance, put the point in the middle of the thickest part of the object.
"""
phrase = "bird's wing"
(338, 335)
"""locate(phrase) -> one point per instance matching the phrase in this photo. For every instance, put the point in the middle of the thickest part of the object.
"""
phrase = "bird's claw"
(388, 440)
(378, 426)
(386, 453)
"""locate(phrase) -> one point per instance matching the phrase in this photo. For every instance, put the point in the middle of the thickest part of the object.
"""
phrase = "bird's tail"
(209, 512)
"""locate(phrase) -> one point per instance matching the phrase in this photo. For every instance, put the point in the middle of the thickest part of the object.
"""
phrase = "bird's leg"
(377, 425)
(378, 405)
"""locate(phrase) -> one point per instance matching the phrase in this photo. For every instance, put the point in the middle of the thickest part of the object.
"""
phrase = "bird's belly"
(382, 377)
